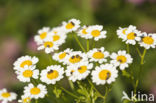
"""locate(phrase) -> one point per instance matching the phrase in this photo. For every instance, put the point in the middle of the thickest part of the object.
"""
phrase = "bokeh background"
(21, 19)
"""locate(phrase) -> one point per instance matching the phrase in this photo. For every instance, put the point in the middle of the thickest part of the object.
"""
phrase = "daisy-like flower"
(121, 32)
(132, 35)
(70, 73)
(83, 33)
(27, 73)
(71, 25)
(25, 61)
(104, 74)
(62, 56)
(48, 45)
(96, 32)
(148, 40)
(36, 92)
(80, 71)
(42, 34)
(98, 55)
(6, 96)
(52, 74)
(121, 59)
(24, 99)
(58, 36)
(75, 57)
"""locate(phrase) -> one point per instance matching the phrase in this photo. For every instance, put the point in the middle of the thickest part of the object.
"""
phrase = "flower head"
(98, 55)
(121, 59)
(148, 40)
(35, 92)
(104, 74)
(6, 96)
(52, 74)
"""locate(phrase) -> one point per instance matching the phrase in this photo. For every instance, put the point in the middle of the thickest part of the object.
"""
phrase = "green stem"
(71, 84)
(100, 95)
(138, 51)
(77, 40)
(87, 45)
(69, 93)
(128, 48)
(36, 101)
(143, 56)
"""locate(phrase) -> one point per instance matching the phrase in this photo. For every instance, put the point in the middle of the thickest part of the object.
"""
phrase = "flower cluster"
(96, 64)
(132, 36)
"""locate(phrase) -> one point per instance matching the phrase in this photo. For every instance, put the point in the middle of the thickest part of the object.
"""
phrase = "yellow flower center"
(84, 31)
(27, 62)
(148, 40)
(98, 55)
(26, 100)
(82, 69)
(43, 35)
(48, 44)
(95, 33)
(62, 55)
(56, 37)
(75, 59)
(124, 31)
(6, 95)
(104, 74)
(55, 32)
(27, 73)
(35, 91)
(131, 36)
(70, 25)
(53, 74)
(121, 59)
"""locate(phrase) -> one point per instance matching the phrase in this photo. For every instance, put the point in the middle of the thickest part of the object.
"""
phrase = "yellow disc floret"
(95, 33)
(43, 35)
(104, 74)
(98, 55)
(148, 40)
(82, 69)
(5, 95)
(35, 91)
(53, 74)
(26, 62)
(48, 44)
(27, 73)
(121, 59)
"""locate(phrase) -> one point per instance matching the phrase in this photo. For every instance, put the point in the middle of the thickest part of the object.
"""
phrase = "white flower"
(75, 57)
(121, 59)
(83, 33)
(42, 34)
(62, 56)
(52, 74)
(148, 40)
(48, 45)
(27, 73)
(36, 92)
(58, 36)
(96, 32)
(25, 61)
(70, 73)
(6, 96)
(24, 99)
(121, 32)
(71, 25)
(98, 55)
(132, 36)
(78, 71)
(104, 74)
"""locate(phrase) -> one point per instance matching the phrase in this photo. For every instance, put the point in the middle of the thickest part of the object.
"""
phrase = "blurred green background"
(21, 19)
